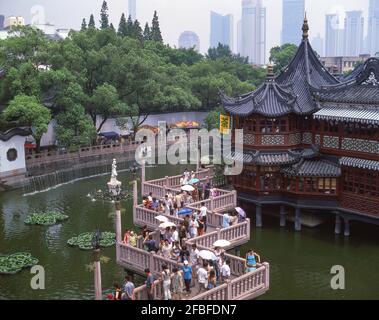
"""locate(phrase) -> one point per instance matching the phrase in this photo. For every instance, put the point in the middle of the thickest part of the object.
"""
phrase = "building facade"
(353, 40)
(2, 18)
(373, 27)
(334, 36)
(341, 65)
(253, 31)
(221, 30)
(11, 22)
(133, 9)
(311, 141)
(189, 39)
(293, 14)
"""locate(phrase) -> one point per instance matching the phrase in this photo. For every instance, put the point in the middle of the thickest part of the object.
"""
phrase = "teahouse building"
(310, 140)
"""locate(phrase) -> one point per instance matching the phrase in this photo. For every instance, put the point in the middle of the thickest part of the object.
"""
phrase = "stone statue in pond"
(114, 170)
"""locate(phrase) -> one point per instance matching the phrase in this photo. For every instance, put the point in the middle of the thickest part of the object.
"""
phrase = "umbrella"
(164, 225)
(241, 212)
(187, 187)
(161, 218)
(222, 243)
(184, 211)
(207, 255)
(193, 181)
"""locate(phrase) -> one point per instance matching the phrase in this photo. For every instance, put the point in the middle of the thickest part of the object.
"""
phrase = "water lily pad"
(45, 218)
(13, 263)
(84, 240)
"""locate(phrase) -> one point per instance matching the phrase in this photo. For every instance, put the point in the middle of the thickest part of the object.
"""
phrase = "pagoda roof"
(270, 99)
(290, 91)
(359, 163)
(363, 88)
(313, 168)
(360, 114)
(7, 135)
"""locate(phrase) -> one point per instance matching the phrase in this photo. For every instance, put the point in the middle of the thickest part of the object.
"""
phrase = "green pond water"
(300, 262)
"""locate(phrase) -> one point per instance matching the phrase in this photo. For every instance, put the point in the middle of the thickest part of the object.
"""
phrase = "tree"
(212, 120)
(104, 17)
(27, 110)
(74, 128)
(112, 27)
(223, 51)
(84, 25)
(129, 27)
(146, 32)
(156, 34)
(122, 26)
(105, 103)
(137, 31)
(281, 56)
(91, 23)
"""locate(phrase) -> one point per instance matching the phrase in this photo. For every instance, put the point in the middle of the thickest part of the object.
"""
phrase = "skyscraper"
(253, 31)
(2, 18)
(239, 37)
(354, 33)
(318, 45)
(293, 15)
(133, 9)
(189, 39)
(333, 36)
(221, 30)
(373, 27)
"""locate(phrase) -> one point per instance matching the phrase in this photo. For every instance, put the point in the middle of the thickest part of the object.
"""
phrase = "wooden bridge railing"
(247, 286)
(143, 216)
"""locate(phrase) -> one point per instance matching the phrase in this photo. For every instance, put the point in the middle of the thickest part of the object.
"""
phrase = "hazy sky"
(177, 15)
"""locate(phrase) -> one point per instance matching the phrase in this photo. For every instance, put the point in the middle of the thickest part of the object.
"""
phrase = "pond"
(300, 262)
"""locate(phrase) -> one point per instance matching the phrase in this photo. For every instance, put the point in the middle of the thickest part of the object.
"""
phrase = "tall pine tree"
(84, 25)
(112, 27)
(146, 32)
(129, 27)
(137, 31)
(104, 18)
(156, 34)
(122, 26)
(91, 23)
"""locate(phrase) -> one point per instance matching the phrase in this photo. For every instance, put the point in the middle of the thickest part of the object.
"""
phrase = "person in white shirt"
(202, 277)
(203, 215)
(166, 249)
(194, 258)
(175, 234)
(193, 224)
(225, 271)
(150, 197)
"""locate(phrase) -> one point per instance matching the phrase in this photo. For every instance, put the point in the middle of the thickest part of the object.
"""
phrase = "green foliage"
(147, 33)
(223, 51)
(281, 56)
(27, 110)
(91, 23)
(45, 218)
(84, 240)
(156, 34)
(122, 27)
(84, 25)
(104, 17)
(14, 263)
(212, 120)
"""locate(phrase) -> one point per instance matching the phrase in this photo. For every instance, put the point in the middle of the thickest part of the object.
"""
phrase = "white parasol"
(161, 218)
(169, 224)
(207, 255)
(222, 243)
(241, 212)
(188, 188)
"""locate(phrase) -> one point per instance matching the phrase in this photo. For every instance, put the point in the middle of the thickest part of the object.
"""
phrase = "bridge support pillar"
(282, 216)
(337, 228)
(297, 219)
(347, 227)
(258, 216)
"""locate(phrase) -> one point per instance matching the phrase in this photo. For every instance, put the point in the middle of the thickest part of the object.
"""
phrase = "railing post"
(267, 274)
(212, 204)
(167, 182)
(229, 294)
(248, 228)
(234, 198)
(135, 193)
(219, 234)
(151, 262)
(143, 172)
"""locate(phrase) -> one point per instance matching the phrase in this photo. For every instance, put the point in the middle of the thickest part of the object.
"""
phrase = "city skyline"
(292, 20)
(187, 15)
(222, 30)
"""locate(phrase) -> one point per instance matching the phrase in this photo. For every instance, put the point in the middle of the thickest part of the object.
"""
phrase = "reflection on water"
(300, 262)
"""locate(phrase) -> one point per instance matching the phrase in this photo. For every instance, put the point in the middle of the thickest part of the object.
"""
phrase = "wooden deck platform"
(241, 286)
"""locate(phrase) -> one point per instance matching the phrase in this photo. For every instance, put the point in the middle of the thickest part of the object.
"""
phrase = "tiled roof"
(290, 92)
(275, 158)
(362, 114)
(359, 163)
(270, 100)
(14, 132)
(313, 168)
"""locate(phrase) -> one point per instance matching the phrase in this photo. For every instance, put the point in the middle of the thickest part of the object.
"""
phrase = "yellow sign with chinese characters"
(224, 124)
